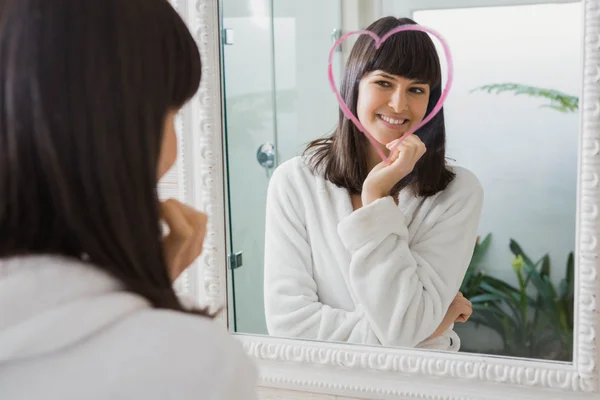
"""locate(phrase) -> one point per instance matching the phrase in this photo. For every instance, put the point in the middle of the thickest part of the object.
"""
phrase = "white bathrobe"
(384, 274)
(69, 332)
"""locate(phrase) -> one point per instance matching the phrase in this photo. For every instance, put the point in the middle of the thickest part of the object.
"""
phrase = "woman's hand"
(461, 306)
(183, 243)
(384, 176)
(459, 311)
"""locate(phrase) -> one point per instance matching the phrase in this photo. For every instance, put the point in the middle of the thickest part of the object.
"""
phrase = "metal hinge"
(235, 260)
(228, 38)
(336, 34)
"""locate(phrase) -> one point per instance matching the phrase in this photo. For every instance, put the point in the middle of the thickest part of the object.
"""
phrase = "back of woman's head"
(85, 87)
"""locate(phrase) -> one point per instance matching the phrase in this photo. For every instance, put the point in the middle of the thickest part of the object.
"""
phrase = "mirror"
(309, 260)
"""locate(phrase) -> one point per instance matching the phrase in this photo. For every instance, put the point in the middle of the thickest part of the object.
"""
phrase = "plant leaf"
(508, 300)
(518, 251)
(478, 254)
(570, 275)
(476, 285)
(545, 270)
(509, 290)
(482, 298)
(491, 307)
(546, 294)
(501, 284)
(563, 288)
(480, 249)
(558, 100)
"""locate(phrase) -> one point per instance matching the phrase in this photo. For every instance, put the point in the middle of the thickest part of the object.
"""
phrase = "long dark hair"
(85, 87)
(342, 157)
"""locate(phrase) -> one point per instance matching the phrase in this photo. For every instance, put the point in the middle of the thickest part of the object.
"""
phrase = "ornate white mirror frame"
(333, 369)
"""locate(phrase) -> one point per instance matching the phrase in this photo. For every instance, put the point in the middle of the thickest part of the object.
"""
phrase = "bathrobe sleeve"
(292, 306)
(405, 289)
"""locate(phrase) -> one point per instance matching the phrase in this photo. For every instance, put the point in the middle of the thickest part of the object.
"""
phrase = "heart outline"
(378, 42)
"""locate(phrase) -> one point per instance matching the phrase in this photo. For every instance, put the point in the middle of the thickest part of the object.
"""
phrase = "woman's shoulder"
(464, 185)
(465, 178)
(187, 335)
(295, 172)
(294, 166)
(191, 352)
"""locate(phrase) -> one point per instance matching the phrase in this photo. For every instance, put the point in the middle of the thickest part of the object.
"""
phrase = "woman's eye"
(417, 90)
(383, 84)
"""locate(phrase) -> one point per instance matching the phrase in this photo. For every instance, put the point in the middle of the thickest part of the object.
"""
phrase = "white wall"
(307, 108)
(525, 156)
(405, 8)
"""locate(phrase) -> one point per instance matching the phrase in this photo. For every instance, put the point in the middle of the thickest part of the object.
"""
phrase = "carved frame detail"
(352, 370)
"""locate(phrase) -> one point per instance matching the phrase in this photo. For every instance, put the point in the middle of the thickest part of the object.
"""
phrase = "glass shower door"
(275, 71)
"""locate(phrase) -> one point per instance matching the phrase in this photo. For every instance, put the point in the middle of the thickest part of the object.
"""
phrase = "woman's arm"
(460, 310)
(292, 305)
(407, 290)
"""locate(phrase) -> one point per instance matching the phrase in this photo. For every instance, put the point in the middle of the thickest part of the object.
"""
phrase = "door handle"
(265, 155)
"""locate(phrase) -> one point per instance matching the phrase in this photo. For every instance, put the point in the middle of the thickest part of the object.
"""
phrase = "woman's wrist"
(369, 195)
(440, 329)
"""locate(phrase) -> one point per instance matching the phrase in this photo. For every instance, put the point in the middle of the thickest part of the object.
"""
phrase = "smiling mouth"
(392, 121)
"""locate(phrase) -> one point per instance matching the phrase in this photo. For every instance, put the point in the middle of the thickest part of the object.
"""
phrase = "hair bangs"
(410, 54)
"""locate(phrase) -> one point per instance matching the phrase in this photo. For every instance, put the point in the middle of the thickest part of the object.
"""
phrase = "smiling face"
(390, 105)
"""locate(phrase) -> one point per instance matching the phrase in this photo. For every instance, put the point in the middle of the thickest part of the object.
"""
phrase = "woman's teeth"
(393, 121)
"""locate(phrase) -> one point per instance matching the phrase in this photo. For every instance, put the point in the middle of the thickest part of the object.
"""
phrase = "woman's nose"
(398, 101)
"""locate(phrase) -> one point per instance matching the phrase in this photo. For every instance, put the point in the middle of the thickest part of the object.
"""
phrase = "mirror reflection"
(464, 241)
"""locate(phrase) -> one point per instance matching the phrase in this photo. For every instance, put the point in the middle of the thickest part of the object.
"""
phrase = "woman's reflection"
(360, 251)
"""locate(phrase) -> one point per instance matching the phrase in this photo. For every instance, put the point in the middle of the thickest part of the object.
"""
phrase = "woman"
(89, 91)
(360, 251)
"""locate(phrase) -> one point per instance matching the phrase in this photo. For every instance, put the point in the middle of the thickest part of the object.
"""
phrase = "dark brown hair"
(85, 87)
(342, 157)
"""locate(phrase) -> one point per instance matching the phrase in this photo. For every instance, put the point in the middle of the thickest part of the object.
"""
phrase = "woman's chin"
(384, 135)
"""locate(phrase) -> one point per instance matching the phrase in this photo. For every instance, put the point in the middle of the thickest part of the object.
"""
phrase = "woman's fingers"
(183, 243)
(179, 226)
(464, 308)
(400, 163)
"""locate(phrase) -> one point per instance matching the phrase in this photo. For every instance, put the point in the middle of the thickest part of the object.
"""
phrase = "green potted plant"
(533, 326)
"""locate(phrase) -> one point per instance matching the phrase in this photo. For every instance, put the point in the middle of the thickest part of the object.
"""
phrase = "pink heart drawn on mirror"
(378, 42)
